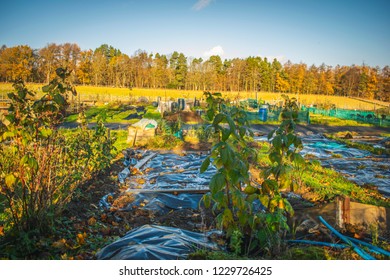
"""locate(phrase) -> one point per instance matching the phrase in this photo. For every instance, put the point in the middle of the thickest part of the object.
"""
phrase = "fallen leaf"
(92, 221)
(81, 238)
(141, 181)
(59, 244)
(135, 171)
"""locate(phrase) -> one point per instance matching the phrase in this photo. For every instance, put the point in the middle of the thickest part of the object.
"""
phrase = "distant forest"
(108, 66)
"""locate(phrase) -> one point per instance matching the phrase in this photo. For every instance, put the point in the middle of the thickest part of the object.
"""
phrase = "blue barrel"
(263, 114)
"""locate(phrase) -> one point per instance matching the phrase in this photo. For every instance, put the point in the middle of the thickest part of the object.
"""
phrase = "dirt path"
(318, 129)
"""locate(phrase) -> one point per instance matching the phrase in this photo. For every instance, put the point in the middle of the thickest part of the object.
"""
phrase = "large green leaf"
(264, 199)
(225, 153)
(243, 218)
(242, 131)
(207, 200)
(234, 176)
(218, 118)
(32, 162)
(217, 182)
(210, 114)
(220, 199)
(24, 159)
(59, 99)
(227, 217)
(205, 164)
(277, 142)
(231, 123)
(225, 134)
(275, 157)
(287, 206)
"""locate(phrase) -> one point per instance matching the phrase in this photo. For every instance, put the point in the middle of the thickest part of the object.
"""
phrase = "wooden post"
(343, 211)
(347, 210)
(135, 137)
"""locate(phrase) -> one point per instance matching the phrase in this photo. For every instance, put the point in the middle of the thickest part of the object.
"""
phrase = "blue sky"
(314, 32)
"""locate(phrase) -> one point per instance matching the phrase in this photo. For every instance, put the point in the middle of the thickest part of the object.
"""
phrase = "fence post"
(343, 211)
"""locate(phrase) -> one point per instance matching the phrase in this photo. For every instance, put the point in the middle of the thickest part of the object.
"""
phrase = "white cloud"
(217, 50)
(201, 4)
(280, 58)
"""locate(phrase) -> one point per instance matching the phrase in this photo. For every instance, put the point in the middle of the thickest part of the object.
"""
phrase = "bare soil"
(187, 117)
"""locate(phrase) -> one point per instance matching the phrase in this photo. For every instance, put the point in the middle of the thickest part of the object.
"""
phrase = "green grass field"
(110, 94)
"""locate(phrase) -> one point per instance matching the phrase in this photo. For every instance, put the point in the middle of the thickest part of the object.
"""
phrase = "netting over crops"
(379, 119)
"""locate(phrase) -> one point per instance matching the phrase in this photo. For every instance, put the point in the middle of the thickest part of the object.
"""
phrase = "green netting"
(356, 115)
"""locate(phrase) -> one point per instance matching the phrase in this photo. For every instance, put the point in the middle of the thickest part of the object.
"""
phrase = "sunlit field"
(111, 94)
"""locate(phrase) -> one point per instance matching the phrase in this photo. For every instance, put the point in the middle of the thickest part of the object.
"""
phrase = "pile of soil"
(186, 116)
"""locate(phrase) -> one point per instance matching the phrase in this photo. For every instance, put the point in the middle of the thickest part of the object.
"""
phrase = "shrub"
(41, 167)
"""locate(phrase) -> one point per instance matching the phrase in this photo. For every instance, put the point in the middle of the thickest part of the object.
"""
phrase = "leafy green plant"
(284, 153)
(234, 197)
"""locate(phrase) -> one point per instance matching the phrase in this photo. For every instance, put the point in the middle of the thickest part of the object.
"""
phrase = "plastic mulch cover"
(364, 171)
(152, 242)
(322, 147)
(172, 171)
(165, 202)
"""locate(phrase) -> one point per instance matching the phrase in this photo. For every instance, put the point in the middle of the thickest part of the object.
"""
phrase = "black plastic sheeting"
(162, 203)
(151, 242)
(359, 166)
(172, 171)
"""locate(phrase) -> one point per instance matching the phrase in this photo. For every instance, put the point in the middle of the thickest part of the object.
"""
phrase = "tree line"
(108, 66)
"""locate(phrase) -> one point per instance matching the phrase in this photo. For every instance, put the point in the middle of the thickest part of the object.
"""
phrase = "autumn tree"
(107, 65)
(179, 68)
(84, 70)
(16, 63)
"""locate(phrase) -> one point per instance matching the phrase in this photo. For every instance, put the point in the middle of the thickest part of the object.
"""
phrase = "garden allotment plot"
(169, 171)
(170, 182)
(358, 166)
